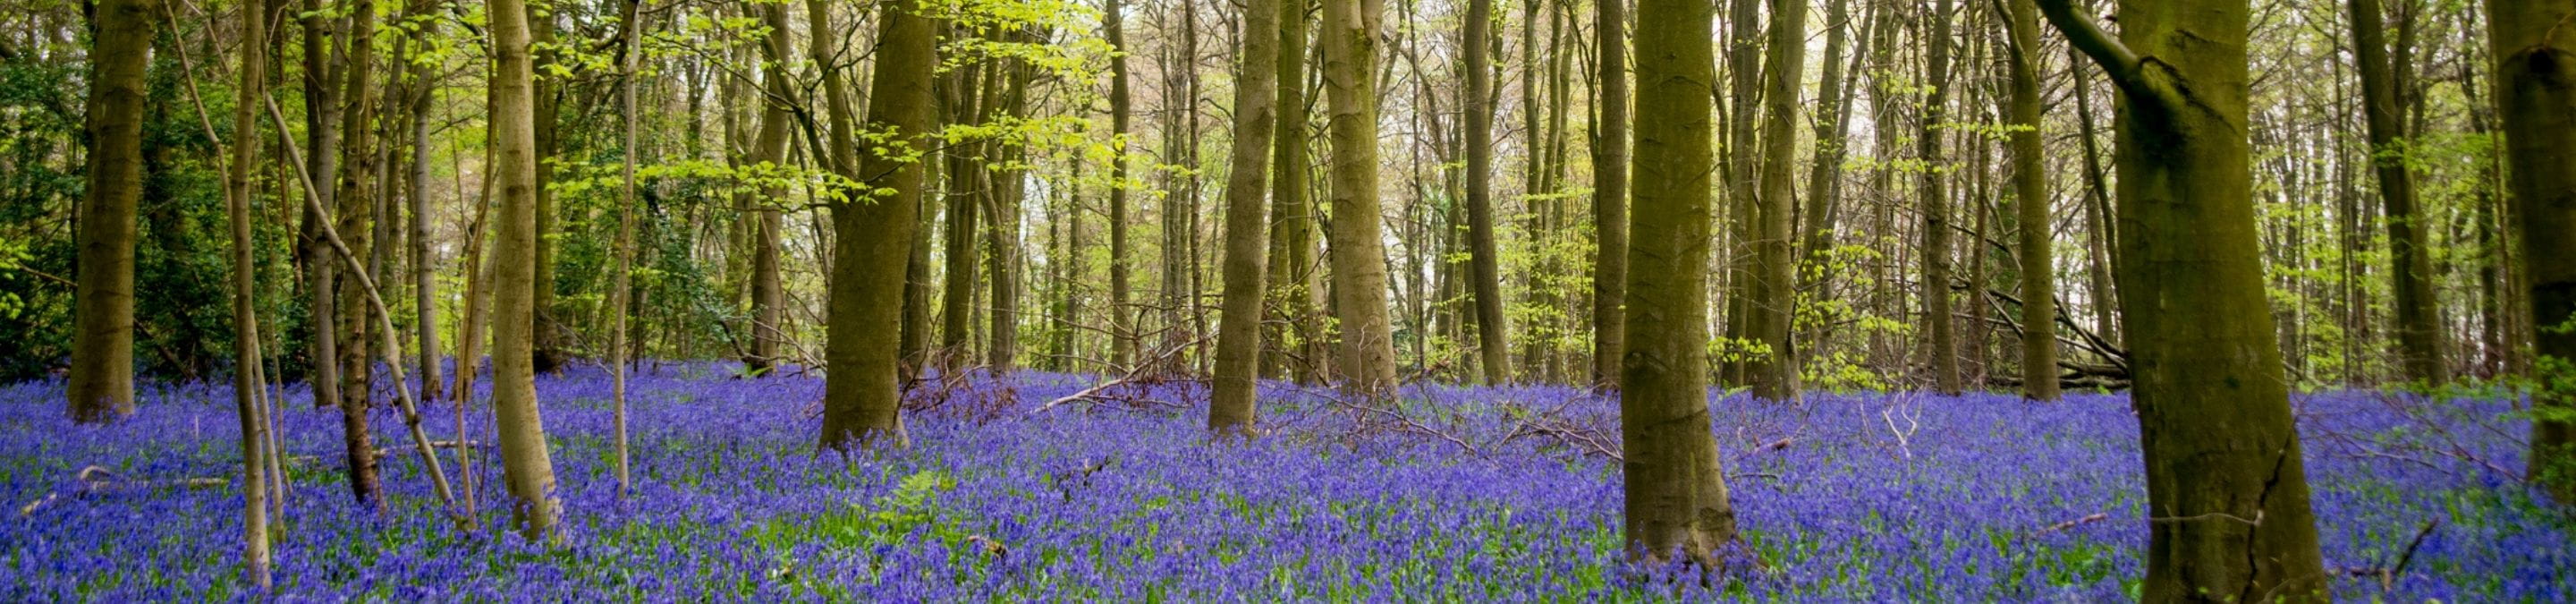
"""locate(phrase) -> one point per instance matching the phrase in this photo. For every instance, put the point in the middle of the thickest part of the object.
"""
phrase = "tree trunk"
(2227, 494)
(247, 386)
(525, 463)
(1610, 196)
(1350, 31)
(1002, 203)
(548, 103)
(1484, 260)
(2410, 254)
(322, 110)
(1231, 407)
(2030, 190)
(1676, 490)
(769, 147)
(1774, 374)
(424, 263)
(1122, 329)
(102, 371)
(1294, 348)
(1824, 175)
(1936, 208)
(2536, 90)
(957, 296)
(624, 246)
(872, 239)
(356, 225)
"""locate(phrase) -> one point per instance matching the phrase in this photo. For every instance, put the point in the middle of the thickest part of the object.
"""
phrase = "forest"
(1288, 300)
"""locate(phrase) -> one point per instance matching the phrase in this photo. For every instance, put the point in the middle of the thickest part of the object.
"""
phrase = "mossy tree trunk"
(2227, 493)
(1676, 493)
(2536, 90)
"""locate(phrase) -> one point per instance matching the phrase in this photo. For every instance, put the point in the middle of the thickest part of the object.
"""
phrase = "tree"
(102, 371)
(525, 462)
(1231, 404)
(1295, 291)
(355, 224)
(1350, 33)
(1484, 261)
(1676, 490)
(1774, 375)
(2419, 322)
(1936, 207)
(2227, 493)
(873, 238)
(2030, 192)
(1610, 195)
(2536, 91)
(631, 56)
(768, 292)
(246, 382)
(1122, 330)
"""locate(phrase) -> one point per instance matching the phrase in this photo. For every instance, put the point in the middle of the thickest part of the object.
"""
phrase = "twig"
(2097, 517)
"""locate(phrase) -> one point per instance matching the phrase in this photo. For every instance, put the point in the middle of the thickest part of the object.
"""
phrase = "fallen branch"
(2098, 517)
(2387, 575)
(1133, 373)
(96, 480)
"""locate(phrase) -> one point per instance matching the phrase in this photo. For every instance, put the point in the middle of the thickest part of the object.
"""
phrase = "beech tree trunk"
(102, 372)
(525, 462)
(1936, 208)
(2030, 190)
(1350, 31)
(2420, 337)
(1121, 326)
(1774, 375)
(2536, 90)
(1676, 490)
(873, 238)
(1484, 259)
(1610, 195)
(2227, 491)
(1295, 348)
(1232, 408)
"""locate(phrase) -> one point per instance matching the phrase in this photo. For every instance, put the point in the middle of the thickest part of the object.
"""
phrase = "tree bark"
(1122, 328)
(1676, 491)
(1483, 259)
(872, 239)
(2030, 190)
(2227, 494)
(1350, 31)
(2536, 90)
(1774, 375)
(247, 386)
(1295, 348)
(1936, 208)
(356, 225)
(102, 371)
(525, 462)
(2419, 324)
(1232, 408)
(1610, 196)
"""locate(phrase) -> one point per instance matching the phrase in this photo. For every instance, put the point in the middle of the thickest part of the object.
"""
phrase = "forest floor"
(1445, 494)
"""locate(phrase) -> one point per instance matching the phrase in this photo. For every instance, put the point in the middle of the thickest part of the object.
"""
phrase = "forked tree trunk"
(2227, 491)
(1676, 492)
(1294, 349)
